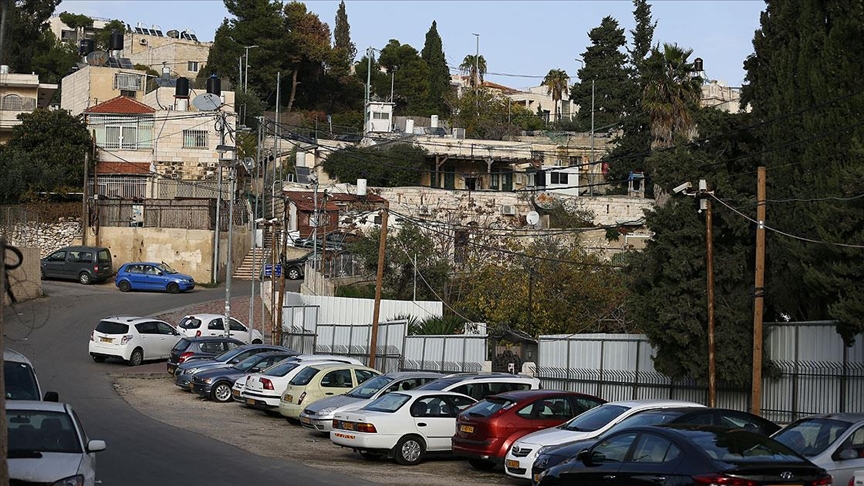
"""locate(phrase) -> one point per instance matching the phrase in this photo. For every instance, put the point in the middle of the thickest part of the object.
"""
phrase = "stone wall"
(25, 280)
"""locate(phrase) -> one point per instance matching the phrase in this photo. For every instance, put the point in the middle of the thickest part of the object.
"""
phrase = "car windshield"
(304, 376)
(110, 327)
(595, 418)
(181, 345)
(250, 362)
(166, 268)
(36, 431)
(487, 407)
(281, 368)
(742, 446)
(810, 437)
(647, 417)
(389, 403)
(370, 387)
(190, 323)
(227, 355)
(441, 383)
(20, 381)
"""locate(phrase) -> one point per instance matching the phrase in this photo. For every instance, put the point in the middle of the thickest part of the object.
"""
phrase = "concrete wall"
(25, 280)
(90, 86)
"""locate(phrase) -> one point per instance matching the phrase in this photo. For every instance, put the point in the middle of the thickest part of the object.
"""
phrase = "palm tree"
(556, 82)
(469, 67)
(671, 94)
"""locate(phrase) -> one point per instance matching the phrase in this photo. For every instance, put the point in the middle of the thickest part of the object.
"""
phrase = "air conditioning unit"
(508, 209)
(142, 41)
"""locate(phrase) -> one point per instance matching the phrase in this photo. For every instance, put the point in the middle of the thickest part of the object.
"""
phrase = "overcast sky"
(521, 40)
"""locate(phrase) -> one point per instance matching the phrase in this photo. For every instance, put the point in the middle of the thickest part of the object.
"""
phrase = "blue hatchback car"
(152, 276)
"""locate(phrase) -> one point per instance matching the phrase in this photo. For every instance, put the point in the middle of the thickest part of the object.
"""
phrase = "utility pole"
(246, 76)
(232, 175)
(282, 274)
(379, 282)
(369, 51)
(275, 146)
(85, 222)
(591, 178)
(4, 445)
(215, 277)
(477, 72)
(758, 294)
(709, 266)
(275, 337)
(255, 228)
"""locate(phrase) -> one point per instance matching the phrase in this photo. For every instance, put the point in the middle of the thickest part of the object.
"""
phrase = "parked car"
(858, 479)
(593, 423)
(198, 325)
(550, 456)
(20, 378)
(687, 454)
(319, 381)
(217, 383)
(833, 441)
(482, 385)
(47, 445)
(86, 264)
(485, 431)
(133, 339)
(294, 269)
(403, 425)
(318, 415)
(199, 347)
(185, 371)
(264, 390)
(152, 276)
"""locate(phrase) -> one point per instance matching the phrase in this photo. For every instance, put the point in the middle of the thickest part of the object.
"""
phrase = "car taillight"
(125, 339)
(267, 384)
(827, 480)
(300, 400)
(368, 428)
(183, 357)
(720, 480)
(92, 335)
(198, 333)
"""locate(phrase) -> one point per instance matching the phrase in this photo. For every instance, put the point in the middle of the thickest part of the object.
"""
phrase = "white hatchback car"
(198, 325)
(404, 425)
(133, 339)
(593, 423)
(47, 445)
(263, 390)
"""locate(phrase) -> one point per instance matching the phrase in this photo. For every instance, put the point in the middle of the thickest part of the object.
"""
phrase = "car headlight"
(77, 480)
(326, 411)
(542, 450)
(208, 380)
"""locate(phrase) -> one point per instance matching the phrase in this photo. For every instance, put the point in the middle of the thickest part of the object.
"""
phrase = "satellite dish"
(207, 102)
(97, 58)
(533, 217)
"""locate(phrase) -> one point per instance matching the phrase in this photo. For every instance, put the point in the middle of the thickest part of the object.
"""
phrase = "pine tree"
(643, 34)
(344, 50)
(439, 73)
(804, 86)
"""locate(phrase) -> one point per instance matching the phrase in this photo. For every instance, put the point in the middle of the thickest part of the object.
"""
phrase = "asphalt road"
(54, 331)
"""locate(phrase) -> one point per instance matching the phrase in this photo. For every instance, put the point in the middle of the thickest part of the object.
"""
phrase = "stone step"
(254, 259)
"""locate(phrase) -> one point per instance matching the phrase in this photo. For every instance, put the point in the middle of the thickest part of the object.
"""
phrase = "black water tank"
(85, 46)
(116, 41)
(214, 85)
(182, 88)
(697, 64)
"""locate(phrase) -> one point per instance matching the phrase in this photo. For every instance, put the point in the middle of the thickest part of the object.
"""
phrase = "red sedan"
(486, 430)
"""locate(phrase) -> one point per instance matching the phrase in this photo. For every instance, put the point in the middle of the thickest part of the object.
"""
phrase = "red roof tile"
(121, 105)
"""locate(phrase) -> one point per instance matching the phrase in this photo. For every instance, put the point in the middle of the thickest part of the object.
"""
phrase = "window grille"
(194, 138)
(131, 82)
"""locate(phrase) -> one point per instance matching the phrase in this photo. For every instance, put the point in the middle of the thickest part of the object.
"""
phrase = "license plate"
(289, 398)
(106, 340)
(512, 464)
(468, 429)
(345, 436)
(348, 425)
(250, 401)
(306, 420)
(235, 393)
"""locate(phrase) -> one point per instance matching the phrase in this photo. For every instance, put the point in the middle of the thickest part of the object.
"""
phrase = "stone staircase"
(256, 258)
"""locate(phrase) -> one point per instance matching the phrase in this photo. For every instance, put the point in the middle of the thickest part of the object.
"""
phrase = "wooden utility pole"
(4, 446)
(758, 294)
(85, 216)
(709, 252)
(275, 332)
(379, 282)
(282, 257)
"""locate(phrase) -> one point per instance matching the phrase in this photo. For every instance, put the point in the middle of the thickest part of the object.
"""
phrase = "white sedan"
(47, 445)
(264, 390)
(403, 425)
(521, 455)
(198, 325)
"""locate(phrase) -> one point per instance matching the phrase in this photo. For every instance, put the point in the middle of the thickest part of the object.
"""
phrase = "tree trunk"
(294, 84)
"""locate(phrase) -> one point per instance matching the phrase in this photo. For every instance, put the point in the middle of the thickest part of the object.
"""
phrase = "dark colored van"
(86, 264)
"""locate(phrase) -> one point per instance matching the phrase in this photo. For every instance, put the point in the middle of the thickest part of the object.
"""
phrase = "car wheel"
(221, 392)
(173, 288)
(97, 358)
(84, 278)
(293, 273)
(371, 456)
(124, 286)
(409, 450)
(481, 465)
(137, 357)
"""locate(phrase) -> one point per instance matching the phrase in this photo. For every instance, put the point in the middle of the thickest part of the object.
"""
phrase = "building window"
(127, 93)
(194, 138)
(192, 66)
(122, 132)
(559, 178)
(380, 115)
(12, 102)
(129, 82)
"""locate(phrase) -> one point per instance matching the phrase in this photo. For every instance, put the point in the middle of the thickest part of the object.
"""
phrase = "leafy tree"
(604, 66)
(803, 87)
(44, 154)
(439, 73)
(408, 75)
(474, 67)
(388, 166)
(25, 22)
(76, 21)
(486, 115)
(556, 84)
(344, 50)
(55, 62)
(103, 36)
(309, 41)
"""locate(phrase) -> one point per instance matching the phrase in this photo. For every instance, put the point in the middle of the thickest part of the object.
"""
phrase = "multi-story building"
(20, 93)
(178, 50)
(67, 34)
(92, 85)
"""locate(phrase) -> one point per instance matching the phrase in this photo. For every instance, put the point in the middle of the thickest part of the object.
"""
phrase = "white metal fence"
(459, 353)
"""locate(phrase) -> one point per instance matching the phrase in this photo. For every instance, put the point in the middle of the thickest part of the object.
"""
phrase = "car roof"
(81, 247)
(15, 356)
(334, 364)
(485, 377)
(198, 339)
(419, 392)
(844, 416)
(203, 316)
(398, 375)
(37, 405)
(654, 403)
(131, 319)
(519, 395)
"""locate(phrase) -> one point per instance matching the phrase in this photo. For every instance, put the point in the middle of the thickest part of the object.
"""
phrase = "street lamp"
(246, 74)
(476, 63)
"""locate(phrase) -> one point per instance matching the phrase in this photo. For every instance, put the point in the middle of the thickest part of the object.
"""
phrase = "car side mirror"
(847, 454)
(51, 396)
(253, 369)
(583, 456)
(96, 446)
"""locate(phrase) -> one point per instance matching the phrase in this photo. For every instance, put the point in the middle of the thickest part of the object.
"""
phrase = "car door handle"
(421, 424)
(659, 479)
(609, 477)
(328, 393)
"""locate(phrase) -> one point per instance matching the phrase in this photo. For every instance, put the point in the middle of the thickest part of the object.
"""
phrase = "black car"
(551, 456)
(216, 383)
(183, 373)
(686, 455)
(294, 269)
(206, 347)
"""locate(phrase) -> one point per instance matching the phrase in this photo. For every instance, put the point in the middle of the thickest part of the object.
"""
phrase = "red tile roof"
(305, 201)
(123, 168)
(121, 105)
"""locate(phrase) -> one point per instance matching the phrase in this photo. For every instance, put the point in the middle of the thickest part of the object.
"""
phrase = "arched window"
(12, 102)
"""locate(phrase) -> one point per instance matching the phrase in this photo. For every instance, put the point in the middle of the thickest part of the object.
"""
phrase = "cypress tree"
(439, 73)
(344, 50)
